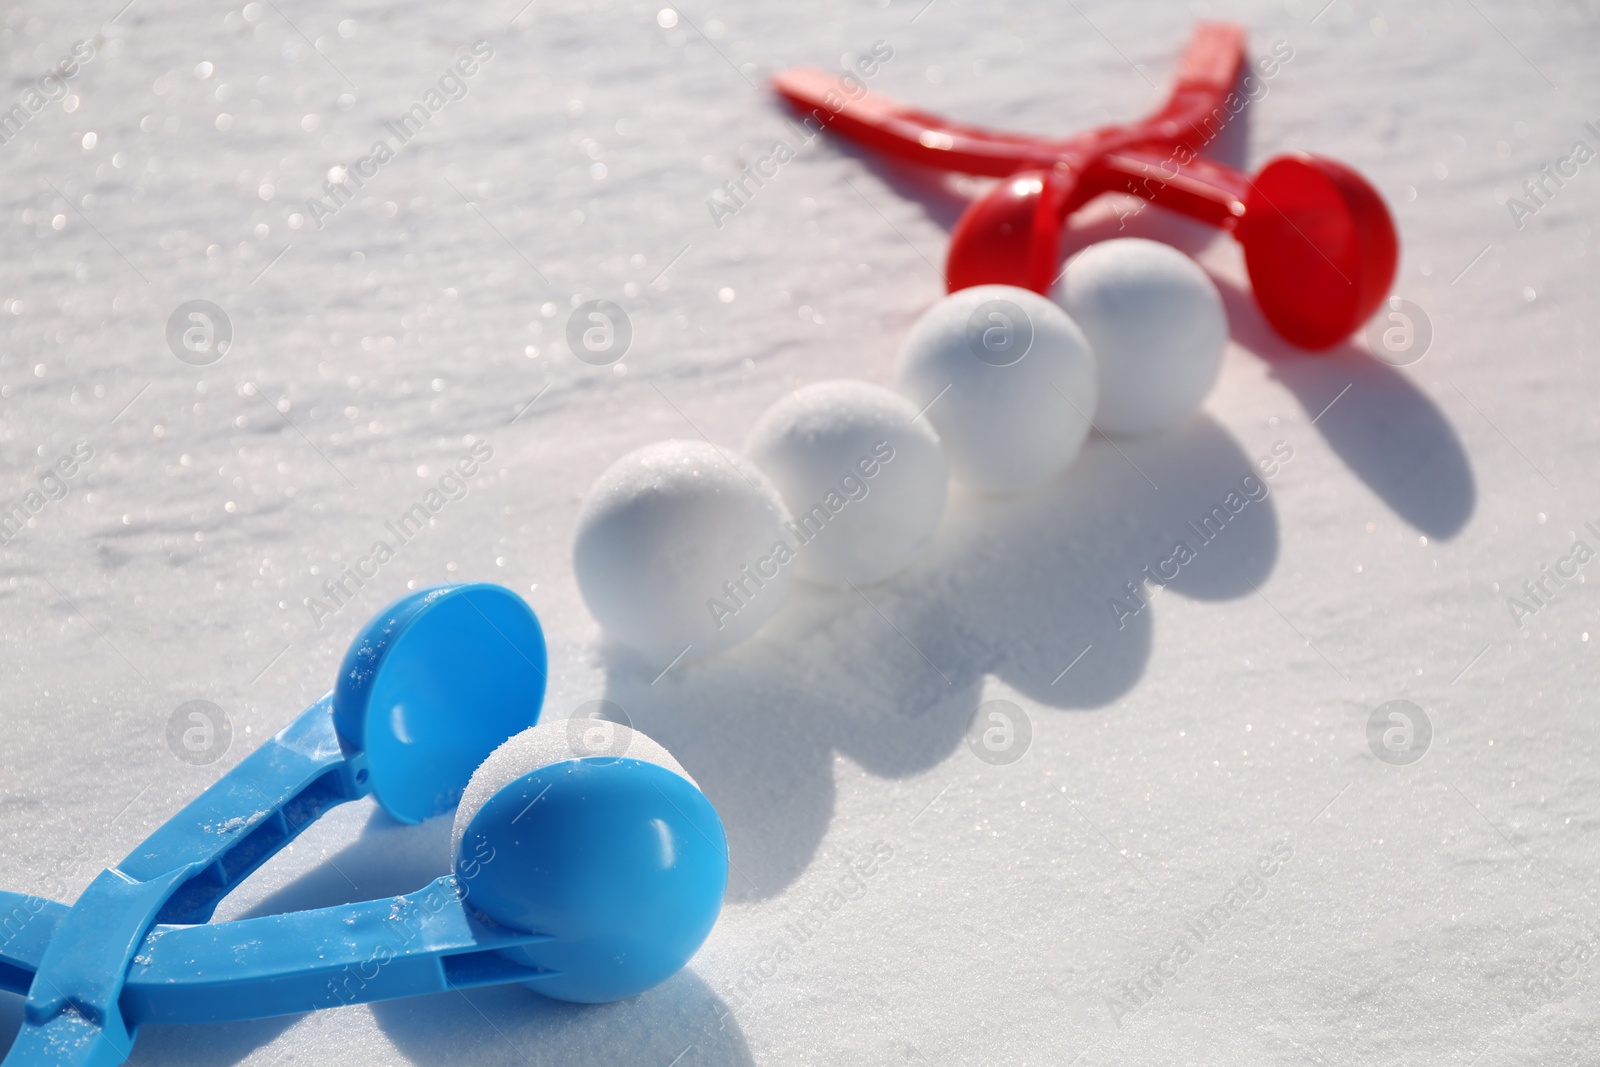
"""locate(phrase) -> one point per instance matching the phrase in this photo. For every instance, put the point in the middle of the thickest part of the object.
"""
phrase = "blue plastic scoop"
(589, 878)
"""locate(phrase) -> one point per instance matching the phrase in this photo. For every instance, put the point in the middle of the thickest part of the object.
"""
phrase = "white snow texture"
(1199, 857)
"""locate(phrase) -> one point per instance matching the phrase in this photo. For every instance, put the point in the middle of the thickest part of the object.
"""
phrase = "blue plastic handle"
(618, 865)
(250, 813)
(424, 942)
(27, 923)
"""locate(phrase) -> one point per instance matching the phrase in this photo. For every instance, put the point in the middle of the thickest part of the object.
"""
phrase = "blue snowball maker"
(586, 877)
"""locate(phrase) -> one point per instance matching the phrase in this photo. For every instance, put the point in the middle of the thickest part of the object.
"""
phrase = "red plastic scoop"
(1319, 245)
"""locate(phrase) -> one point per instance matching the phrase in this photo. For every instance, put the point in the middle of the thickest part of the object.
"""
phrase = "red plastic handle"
(1207, 72)
(907, 133)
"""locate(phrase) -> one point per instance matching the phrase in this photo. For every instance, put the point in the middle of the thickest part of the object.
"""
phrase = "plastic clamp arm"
(250, 813)
(1211, 60)
(1196, 111)
(27, 923)
(1207, 72)
(424, 942)
(905, 132)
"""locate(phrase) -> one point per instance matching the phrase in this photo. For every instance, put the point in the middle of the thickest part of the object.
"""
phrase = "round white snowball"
(1008, 381)
(551, 741)
(1158, 329)
(863, 477)
(669, 543)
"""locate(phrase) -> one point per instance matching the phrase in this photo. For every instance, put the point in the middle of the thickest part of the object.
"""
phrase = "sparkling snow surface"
(904, 892)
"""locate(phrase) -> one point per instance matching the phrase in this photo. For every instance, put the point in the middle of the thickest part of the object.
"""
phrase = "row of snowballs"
(684, 549)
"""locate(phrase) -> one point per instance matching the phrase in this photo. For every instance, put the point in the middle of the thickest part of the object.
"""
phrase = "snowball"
(675, 547)
(1157, 326)
(551, 741)
(863, 477)
(1007, 380)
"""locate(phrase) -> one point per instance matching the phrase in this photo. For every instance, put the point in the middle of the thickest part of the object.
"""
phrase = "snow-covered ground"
(1198, 858)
